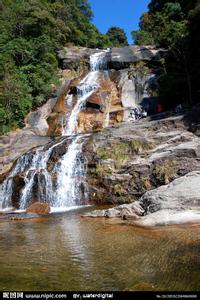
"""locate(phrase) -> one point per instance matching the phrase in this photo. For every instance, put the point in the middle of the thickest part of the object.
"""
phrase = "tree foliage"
(174, 25)
(117, 37)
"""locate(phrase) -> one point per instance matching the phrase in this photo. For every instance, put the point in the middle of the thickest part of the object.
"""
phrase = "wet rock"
(39, 208)
(18, 185)
(58, 152)
(61, 98)
(54, 121)
(15, 144)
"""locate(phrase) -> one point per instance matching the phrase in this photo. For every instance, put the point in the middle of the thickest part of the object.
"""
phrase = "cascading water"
(71, 171)
(88, 85)
(39, 184)
(6, 186)
(70, 176)
(29, 165)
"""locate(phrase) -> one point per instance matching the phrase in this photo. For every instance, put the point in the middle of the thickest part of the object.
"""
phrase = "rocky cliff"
(153, 165)
(127, 76)
(128, 159)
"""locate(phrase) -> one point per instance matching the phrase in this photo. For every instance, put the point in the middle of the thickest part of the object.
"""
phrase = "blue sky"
(121, 13)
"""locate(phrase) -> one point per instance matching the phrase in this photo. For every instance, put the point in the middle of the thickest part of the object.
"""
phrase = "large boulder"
(175, 203)
(122, 57)
(182, 193)
(39, 208)
(71, 57)
(36, 121)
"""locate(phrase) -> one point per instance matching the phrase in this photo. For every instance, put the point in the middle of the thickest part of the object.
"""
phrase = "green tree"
(168, 24)
(117, 37)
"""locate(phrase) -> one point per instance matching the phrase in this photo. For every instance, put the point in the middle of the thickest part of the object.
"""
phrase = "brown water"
(67, 252)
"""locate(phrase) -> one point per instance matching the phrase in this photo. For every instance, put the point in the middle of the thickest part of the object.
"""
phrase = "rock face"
(37, 120)
(119, 90)
(18, 185)
(129, 159)
(177, 202)
(71, 57)
(122, 57)
(119, 58)
(39, 208)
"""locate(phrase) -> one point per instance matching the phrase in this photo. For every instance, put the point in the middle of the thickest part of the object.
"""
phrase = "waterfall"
(70, 186)
(86, 88)
(29, 165)
(64, 186)
(6, 188)
(70, 172)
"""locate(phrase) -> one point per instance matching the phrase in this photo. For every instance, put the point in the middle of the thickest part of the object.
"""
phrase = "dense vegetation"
(174, 25)
(30, 33)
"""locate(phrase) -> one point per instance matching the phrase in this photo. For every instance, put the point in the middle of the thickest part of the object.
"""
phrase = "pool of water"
(67, 252)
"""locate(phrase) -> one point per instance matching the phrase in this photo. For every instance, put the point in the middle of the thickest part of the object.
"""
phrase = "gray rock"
(182, 193)
(168, 217)
(125, 211)
(111, 213)
(175, 203)
(36, 121)
(95, 213)
(70, 57)
(127, 87)
(122, 57)
(119, 58)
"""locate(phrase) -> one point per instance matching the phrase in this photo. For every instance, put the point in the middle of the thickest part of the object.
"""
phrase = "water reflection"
(66, 252)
